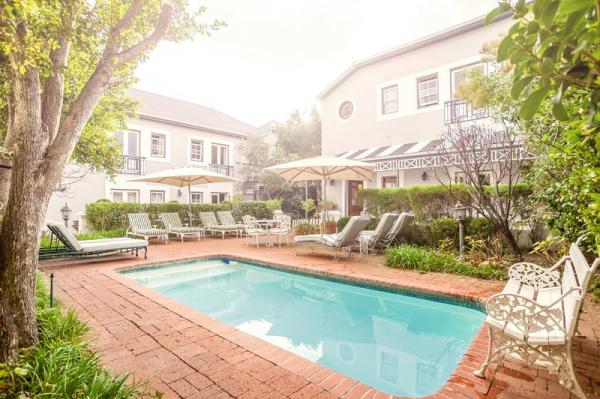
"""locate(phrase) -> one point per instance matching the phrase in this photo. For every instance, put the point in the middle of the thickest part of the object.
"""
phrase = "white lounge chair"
(140, 226)
(534, 320)
(75, 248)
(173, 225)
(210, 224)
(369, 240)
(226, 219)
(343, 241)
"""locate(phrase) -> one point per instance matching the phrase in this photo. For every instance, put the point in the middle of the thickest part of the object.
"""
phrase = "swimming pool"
(397, 343)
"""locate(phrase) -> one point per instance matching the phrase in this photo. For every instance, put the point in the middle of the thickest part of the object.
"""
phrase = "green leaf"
(519, 85)
(532, 103)
(549, 12)
(519, 56)
(570, 6)
(504, 48)
(491, 16)
(559, 112)
(21, 371)
(547, 66)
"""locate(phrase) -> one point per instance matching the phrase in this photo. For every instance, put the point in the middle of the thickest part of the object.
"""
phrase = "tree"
(103, 41)
(554, 49)
(489, 161)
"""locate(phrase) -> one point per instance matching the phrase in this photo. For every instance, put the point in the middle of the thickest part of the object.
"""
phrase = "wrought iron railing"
(222, 169)
(133, 165)
(456, 111)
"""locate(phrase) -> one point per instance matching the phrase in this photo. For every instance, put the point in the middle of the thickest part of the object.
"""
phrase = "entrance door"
(354, 208)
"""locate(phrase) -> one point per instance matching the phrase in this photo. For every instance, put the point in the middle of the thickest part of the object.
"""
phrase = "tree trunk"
(510, 239)
(25, 210)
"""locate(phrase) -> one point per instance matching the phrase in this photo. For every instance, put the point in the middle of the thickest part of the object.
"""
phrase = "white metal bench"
(534, 318)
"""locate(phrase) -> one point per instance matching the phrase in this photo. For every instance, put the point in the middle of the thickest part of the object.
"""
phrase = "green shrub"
(444, 229)
(62, 364)
(303, 229)
(258, 209)
(342, 222)
(480, 228)
(431, 260)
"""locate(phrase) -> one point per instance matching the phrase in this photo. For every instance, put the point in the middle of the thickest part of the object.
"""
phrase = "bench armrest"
(534, 275)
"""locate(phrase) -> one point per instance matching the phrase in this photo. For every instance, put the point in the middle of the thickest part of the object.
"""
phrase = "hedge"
(426, 202)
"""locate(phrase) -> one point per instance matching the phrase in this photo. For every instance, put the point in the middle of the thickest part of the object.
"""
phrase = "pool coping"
(461, 380)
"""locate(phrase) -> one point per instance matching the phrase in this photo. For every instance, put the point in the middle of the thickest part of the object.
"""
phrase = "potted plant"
(329, 225)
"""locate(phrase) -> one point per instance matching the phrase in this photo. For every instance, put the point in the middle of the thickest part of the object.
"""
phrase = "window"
(217, 198)
(220, 154)
(485, 178)
(129, 141)
(197, 197)
(389, 99)
(124, 196)
(157, 196)
(389, 181)
(158, 145)
(197, 150)
(346, 110)
(461, 75)
(427, 91)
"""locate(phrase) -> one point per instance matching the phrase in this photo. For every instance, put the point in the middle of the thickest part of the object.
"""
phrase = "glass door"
(354, 208)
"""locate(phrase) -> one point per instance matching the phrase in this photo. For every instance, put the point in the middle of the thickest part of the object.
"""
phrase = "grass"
(432, 260)
(95, 235)
(62, 365)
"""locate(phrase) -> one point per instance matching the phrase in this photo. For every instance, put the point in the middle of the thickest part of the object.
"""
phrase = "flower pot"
(329, 227)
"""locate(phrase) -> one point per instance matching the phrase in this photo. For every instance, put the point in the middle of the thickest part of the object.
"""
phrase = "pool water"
(400, 344)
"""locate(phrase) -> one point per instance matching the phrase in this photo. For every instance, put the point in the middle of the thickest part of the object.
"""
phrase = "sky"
(275, 56)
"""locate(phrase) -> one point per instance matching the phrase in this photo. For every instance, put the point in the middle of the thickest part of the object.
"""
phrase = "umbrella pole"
(324, 193)
(190, 202)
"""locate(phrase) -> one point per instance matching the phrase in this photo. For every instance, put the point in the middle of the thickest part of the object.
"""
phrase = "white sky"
(276, 55)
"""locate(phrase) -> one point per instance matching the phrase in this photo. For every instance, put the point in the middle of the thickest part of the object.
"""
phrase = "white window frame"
(193, 193)
(164, 145)
(125, 141)
(124, 193)
(386, 102)
(219, 157)
(218, 194)
(432, 91)
(162, 192)
(461, 176)
(191, 158)
(461, 68)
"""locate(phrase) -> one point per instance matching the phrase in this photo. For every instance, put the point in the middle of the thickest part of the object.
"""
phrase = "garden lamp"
(65, 211)
(460, 212)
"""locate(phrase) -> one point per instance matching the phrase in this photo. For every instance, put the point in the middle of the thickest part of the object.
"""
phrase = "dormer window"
(389, 99)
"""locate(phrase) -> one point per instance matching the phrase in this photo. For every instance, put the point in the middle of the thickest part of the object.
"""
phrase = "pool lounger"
(74, 248)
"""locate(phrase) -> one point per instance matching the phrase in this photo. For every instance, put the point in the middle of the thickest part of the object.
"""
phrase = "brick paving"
(186, 354)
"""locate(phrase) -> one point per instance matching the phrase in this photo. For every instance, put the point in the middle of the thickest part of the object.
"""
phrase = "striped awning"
(393, 151)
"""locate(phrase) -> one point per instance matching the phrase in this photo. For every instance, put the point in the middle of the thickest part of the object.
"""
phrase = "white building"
(390, 109)
(167, 133)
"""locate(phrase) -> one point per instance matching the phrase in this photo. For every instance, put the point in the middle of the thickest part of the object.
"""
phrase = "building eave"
(411, 46)
(190, 125)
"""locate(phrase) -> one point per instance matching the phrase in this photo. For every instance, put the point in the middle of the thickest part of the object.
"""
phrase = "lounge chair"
(342, 241)
(173, 225)
(140, 226)
(400, 228)
(369, 240)
(226, 219)
(210, 224)
(253, 230)
(534, 320)
(74, 248)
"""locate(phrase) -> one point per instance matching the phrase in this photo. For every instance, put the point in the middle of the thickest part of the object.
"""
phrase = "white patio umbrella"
(186, 176)
(324, 168)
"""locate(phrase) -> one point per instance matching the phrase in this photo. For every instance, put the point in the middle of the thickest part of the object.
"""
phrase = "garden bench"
(534, 318)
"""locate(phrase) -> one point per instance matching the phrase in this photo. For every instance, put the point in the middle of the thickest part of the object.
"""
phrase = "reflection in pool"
(400, 344)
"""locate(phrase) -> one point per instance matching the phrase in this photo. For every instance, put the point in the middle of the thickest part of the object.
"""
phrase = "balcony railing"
(133, 165)
(456, 111)
(226, 170)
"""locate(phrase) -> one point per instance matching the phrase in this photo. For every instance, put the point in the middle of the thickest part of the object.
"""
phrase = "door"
(354, 208)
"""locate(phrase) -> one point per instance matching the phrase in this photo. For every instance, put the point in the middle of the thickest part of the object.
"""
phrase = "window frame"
(125, 191)
(218, 193)
(384, 178)
(487, 174)
(164, 145)
(196, 193)
(219, 146)
(158, 192)
(383, 101)
(196, 142)
(424, 79)
(465, 66)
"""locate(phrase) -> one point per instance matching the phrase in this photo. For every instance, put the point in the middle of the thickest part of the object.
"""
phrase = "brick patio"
(186, 354)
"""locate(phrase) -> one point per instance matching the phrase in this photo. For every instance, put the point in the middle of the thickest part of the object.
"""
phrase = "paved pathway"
(186, 354)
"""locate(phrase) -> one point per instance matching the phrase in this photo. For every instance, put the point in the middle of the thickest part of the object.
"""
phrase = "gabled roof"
(411, 46)
(183, 113)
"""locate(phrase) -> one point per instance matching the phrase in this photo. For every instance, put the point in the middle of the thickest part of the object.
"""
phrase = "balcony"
(226, 170)
(457, 111)
(133, 165)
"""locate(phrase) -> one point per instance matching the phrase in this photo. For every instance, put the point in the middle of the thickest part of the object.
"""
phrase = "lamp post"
(65, 211)
(460, 211)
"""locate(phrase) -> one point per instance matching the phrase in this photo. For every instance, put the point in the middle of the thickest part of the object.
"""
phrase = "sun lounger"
(210, 224)
(369, 240)
(140, 226)
(173, 225)
(342, 241)
(75, 248)
(226, 219)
